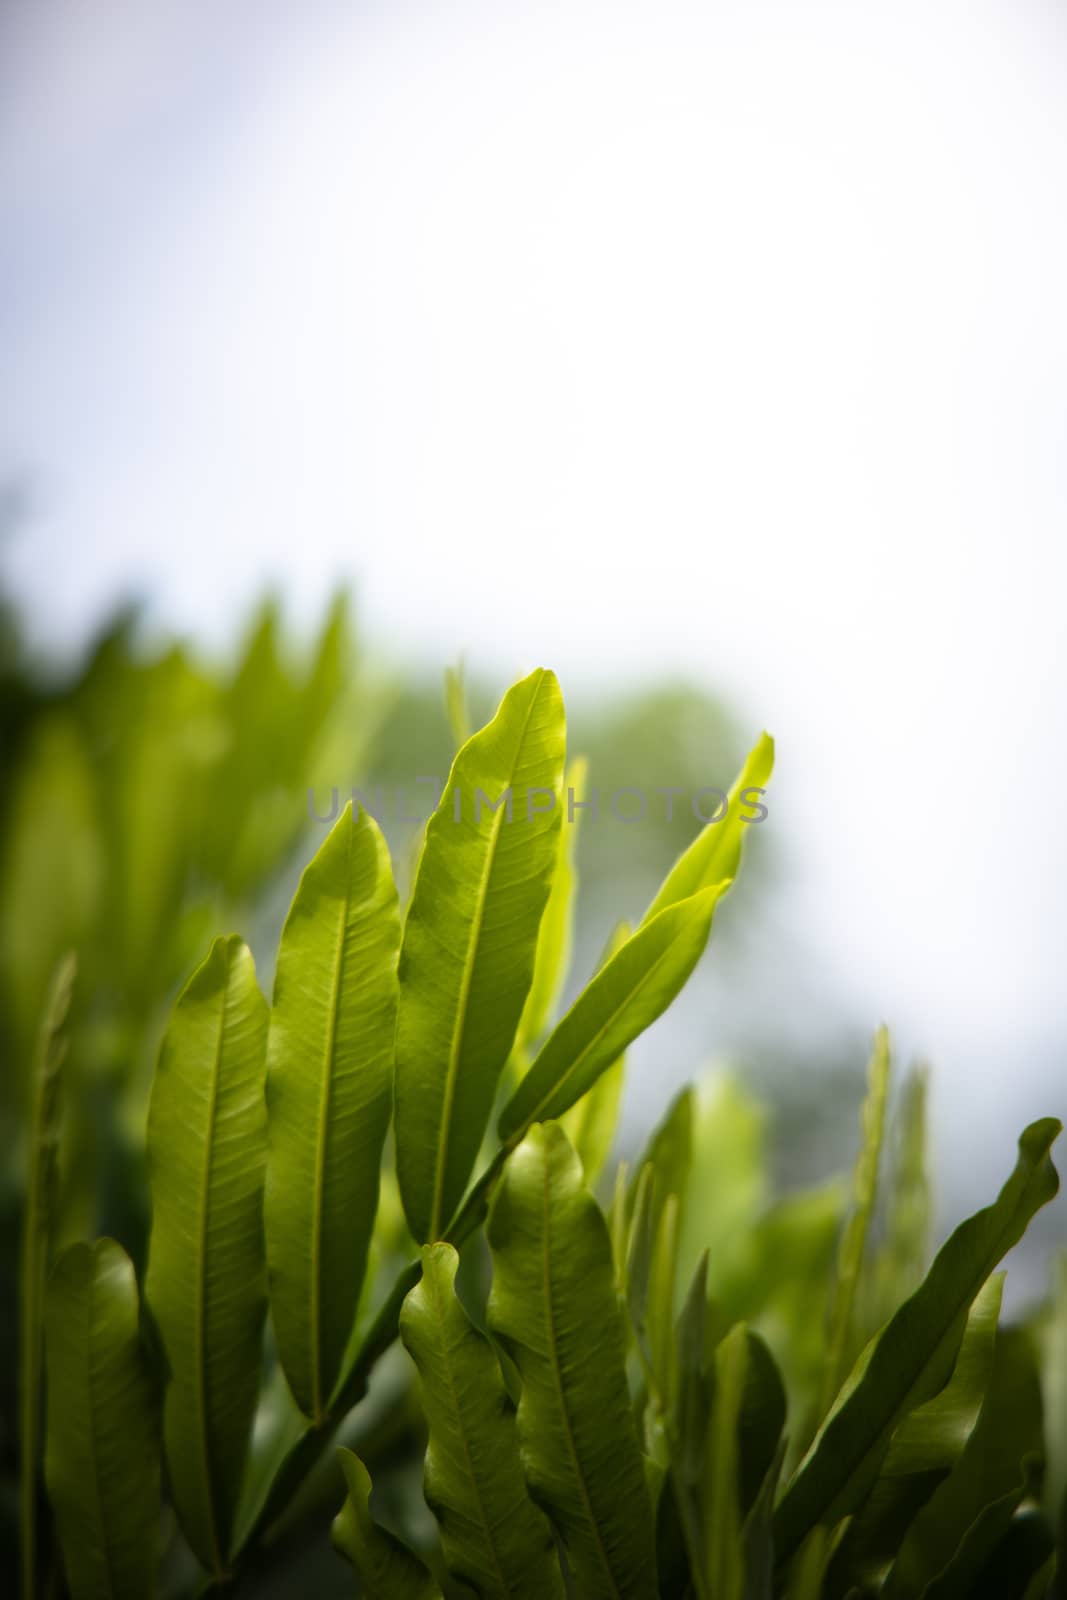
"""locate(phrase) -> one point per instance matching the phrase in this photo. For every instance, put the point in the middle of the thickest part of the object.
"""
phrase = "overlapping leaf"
(912, 1357)
(387, 1569)
(470, 941)
(102, 1452)
(329, 1083)
(553, 1308)
(206, 1283)
(493, 1537)
(629, 992)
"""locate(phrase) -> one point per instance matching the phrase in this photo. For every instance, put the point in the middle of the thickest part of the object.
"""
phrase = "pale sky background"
(725, 339)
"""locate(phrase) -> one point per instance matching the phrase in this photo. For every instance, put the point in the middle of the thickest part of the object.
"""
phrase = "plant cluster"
(685, 1391)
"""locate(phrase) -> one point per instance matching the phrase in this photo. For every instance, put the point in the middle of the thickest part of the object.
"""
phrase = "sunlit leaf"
(493, 1538)
(629, 992)
(553, 1308)
(329, 1084)
(469, 944)
(206, 1283)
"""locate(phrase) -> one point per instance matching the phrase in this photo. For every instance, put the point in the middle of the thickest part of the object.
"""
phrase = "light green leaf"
(387, 1568)
(456, 707)
(329, 1085)
(715, 854)
(629, 992)
(901, 1257)
(556, 938)
(841, 1351)
(102, 1452)
(553, 1308)
(206, 1283)
(467, 958)
(37, 1243)
(912, 1357)
(591, 1122)
(493, 1537)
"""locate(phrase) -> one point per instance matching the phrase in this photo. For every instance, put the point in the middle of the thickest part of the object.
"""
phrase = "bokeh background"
(711, 354)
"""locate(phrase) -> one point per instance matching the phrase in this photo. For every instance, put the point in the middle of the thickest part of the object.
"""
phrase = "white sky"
(729, 338)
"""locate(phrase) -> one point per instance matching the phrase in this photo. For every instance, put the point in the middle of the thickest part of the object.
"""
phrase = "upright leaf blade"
(629, 992)
(911, 1358)
(469, 944)
(388, 1570)
(553, 1307)
(102, 1453)
(206, 1282)
(329, 1085)
(38, 1211)
(493, 1537)
(850, 1257)
(715, 854)
(556, 935)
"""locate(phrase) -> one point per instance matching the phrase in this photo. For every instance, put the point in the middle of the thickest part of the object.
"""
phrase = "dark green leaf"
(387, 1568)
(914, 1354)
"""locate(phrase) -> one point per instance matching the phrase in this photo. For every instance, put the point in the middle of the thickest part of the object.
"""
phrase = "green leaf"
(913, 1355)
(37, 1241)
(715, 854)
(467, 958)
(387, 1568)
(493, 1537)
(329, 1084)
(456, 707)
(951, 1540)
(926, 1446)
(553, 1308)
(102, 1452)
(556, 937)
(724, 1550)
(902, 1253)
(591, 1122)
(629, 992)
(206, 1283)
(841, 1341)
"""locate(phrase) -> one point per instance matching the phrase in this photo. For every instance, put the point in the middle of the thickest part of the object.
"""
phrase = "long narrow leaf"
(329, 1083)
(102, 1453)
(556, 937)
(629, 992)
(553, 1308)
(206, 1283)
(850, 1257)
(715, 854)
(493, 1537)
(467, 958)
(36, 1246)
(912, 1357)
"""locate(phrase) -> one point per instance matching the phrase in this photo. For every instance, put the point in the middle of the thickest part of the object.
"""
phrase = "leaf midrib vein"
(460, 1023)
(325, 1089)
(557, 1372)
